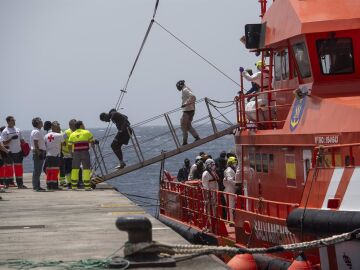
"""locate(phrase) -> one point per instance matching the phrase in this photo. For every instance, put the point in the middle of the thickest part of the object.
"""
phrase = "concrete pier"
(73, 225)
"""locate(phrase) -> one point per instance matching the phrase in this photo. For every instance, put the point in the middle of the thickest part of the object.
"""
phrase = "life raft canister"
(242, 262)
(300, 263)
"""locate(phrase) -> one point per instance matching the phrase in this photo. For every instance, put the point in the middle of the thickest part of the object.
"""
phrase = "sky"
(64, 59)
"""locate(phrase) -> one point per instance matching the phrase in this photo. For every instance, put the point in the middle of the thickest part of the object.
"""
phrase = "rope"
(70, 265)
(195, 52)
(124, 89)
(201, 249)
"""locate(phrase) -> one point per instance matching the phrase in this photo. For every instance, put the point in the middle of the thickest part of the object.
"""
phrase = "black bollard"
(138, 228)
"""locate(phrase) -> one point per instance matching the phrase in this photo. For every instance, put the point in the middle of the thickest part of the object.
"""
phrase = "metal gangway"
(211, 122)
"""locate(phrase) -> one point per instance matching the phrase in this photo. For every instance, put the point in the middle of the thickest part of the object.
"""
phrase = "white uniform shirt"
(14, 144)
(188, 98)
(209, 182)
(256, 78)
(38, 135)
(229, 180)
(53, 143)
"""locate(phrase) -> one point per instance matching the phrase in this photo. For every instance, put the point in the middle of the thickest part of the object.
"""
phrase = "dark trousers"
(38, 166)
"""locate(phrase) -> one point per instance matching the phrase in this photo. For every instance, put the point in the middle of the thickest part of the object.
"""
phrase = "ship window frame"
(252, 160)
(258, 162)
(285, 65)
(277, 66)
(329, 49)
(271, 161)
(303, 63)
(265, 162)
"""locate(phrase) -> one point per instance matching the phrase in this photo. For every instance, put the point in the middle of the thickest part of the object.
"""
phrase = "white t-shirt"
(14, 144)
(53, 142)
(38, 135)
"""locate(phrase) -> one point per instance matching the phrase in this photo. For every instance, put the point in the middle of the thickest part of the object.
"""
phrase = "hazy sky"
(63, 59)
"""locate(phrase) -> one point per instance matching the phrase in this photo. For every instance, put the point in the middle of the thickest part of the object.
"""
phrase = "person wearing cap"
(194, 172)
(80, 141)
(123, 135)
(229, 184)
(183, 173)
(53, 142)
(188, 108)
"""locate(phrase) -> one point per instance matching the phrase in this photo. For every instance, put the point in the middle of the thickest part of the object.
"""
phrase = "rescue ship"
(298, 160)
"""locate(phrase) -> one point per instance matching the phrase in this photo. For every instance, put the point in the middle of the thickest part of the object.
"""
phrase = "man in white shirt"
(12, 139)
(53, 142)
(3, 154)
(188, 107)
(39, 151)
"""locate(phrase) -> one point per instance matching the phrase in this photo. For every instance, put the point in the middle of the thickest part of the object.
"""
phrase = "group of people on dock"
(57, 153)
(64, 156)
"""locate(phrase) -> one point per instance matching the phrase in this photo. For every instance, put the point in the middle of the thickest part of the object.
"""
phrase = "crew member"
(123, 135)
(188, 107)
(53, 142)
(229, 183)
(66, 160)
(81, 140)
(12, 139)
(250, 107)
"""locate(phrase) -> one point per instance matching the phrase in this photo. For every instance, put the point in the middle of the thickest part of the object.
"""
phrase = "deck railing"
(268, 115)
(207, 210)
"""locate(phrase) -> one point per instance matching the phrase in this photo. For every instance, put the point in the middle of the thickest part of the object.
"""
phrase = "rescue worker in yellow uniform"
(81, 140)
(66, 152)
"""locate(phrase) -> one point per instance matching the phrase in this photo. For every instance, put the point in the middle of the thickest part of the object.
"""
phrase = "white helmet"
(209, 163)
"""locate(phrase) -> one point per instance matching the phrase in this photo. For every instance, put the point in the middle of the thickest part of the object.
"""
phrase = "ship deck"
(73, 225)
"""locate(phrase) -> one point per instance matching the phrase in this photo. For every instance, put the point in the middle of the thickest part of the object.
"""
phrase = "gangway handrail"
(98, 179)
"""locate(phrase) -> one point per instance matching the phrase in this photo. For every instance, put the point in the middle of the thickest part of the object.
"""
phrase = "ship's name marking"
(327, 139)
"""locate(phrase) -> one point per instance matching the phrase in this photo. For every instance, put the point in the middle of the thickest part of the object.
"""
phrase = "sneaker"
(121, 165)
(22, 187)
(12, 185)
(184, 143)
(39, 190)
(197, 138)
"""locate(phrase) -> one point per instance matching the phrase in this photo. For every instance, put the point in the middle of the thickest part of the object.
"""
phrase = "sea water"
(142, 186)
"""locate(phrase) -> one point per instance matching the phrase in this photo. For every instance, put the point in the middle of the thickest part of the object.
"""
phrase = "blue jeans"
(38, 164)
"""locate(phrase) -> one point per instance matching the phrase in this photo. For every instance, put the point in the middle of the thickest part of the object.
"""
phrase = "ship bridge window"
(336, 55)
(281, 64)
(302, 59)
(277, 66)
(285, 64)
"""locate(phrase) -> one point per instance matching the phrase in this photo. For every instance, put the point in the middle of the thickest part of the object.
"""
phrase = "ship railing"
(213, 210)
(331, 155)
(267, 113)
